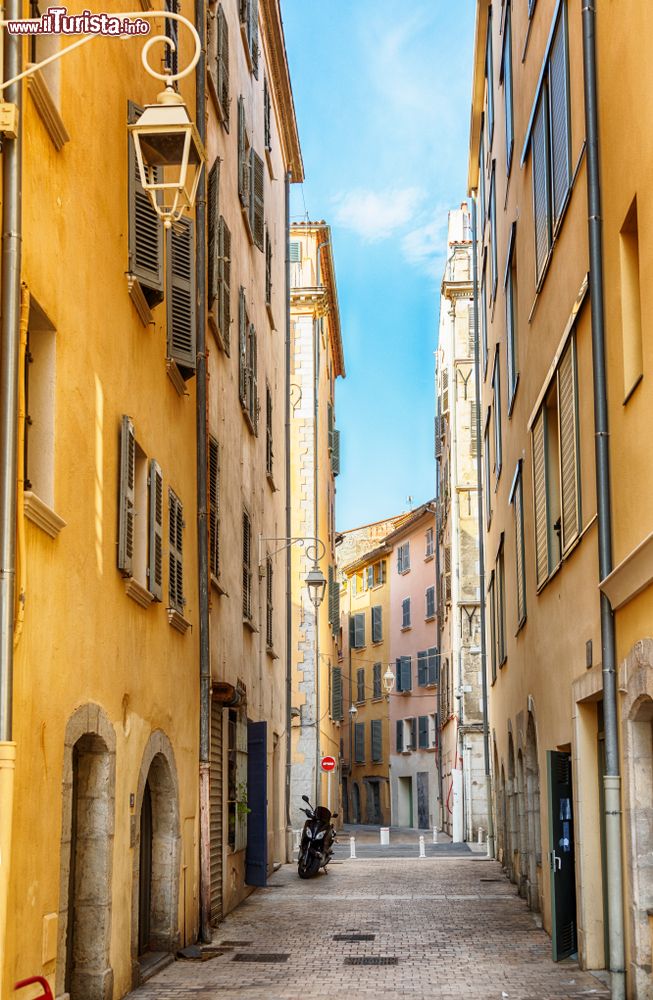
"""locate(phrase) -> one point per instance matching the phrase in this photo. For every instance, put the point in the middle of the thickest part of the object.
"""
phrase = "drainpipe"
(481, 540)
(288, 535)
(9, 348)
(611, 779)
(316, 390)
(438, 591)
(202, 496)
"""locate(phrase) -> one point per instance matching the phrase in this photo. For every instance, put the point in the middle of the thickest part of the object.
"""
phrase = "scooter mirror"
(334, 815)
(305, 798)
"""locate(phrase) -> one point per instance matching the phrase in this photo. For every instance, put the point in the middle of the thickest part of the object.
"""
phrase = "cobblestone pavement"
(451, 928)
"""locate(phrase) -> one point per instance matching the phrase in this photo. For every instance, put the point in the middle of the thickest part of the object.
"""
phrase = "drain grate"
(371, 960)
(234, 944)
(487, 879)
(354, 937)
(254, 956)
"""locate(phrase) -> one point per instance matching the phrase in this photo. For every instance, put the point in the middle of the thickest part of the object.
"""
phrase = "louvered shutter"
(541, 213)
(423, 732)
(493, 233)
(445, 390)
(253, 35)
(567, 408)
(223, 64)
(243, 157)
(377, 740)
(398, 673)
(376, 680)
(126, 500)
(268, 268)
(335, 454)
(400, 736)
(359, 742)
(336, 694)
(242, 348)
(224, 284)
(360, 684)
(214, 507)
(559, 100)
(175, 551)
(377, 624)
(145, 229)
(257, 199)
(267, 109)
(540, 500)
(330, 594)
(155, 548)
(252, 362)
(295, 252)
(422, 668)
(180, 300)
(413, 733)
(214, 232)
(406, 674)
(432, 666)
(216, 810)
(330, 423)
(212, 50)
(518, 502)
(247, 574)
(359, 621)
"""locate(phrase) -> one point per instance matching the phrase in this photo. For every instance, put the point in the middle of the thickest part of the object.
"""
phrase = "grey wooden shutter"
(567, 409)
(493, 232)
(359, 620)
(145, 228)
(413, 733)
(540, 487)
(252, 375)
(518, 508)
(126, 499)
(223, 65)
(175, 551)
(295, 252)
(377, 623)
(400, 735)
(406, 674)
(242, 348)
(330, 594)
(559, 100)
(377, 740)
(155, 548)
(212, 50)
(445, 390)
(268, 268)
(214, 507)
(257, 199)
(243, 158)
(541, 212)
(422, 668)
(253, 35)
(247, 572)
(360, 684)
(359, 742)
(224, 284)
(398, 673)
(216, 810)
(269, 604)
(214, 232)
(180, 300)
(376, 680)
(432, 666)
(267, 109)
(335, 454)
(336, 694)
(269, 452)
(423, 732)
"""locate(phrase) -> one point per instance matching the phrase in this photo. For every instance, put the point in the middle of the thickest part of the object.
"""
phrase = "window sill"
(47, 109)
(359, 702)
(249, 624)
(405, 753)
(402, 572)
(377, 642)
(268, 157)
(270, 651)
(221, 341)
(43, 516)
(175, 377)
(177, 620)
(405, 628)
(271, 483)
(138, 592)
(377, 700)
(248, 420)
(429, 618)
(140, 302)
(405, 692)
(268, 306)
(215, 583)
(428, 558)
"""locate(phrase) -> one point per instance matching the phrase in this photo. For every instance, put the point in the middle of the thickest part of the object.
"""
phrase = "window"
(493, 235)
(222, 311)
(405, 613)
(359, 742)
(247, 567)
(430, 603)
(487, 467)
(237, 780)
(511, 319)
(175, 553)
(500, 583)
(379, 573)
(145, 265)
(489, 75)
(400, 736)
(251, 181)
(427, 667)
(247, 365)
(267, 116)
(496, 388)
(357, 630)
(218, 63)
(491, 602)
(180, 297)
(549, 141)
(481, 182)
(517, 501)
(403, 558)
(268, 603)
(268, 269)
(377, 624)
(473, 417)
(631, 305)
(556, 471)
(506, 74)
(334, 601)
(377, 690)
(249, 28)
(409, 735)
(369, 580)
(269, 455)
(40, 382)
(360, 684)
(446, 576)
(404, 674)
(484, 316)
(376, 727)
(336, 694)
(433, 730)
(214, 508)
(423, 732)
(429, 544)
(140, 528)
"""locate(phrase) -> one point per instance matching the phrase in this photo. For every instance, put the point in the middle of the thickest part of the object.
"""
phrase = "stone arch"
(533, 818)
(86, 856)
(498, 791)
(637, 750)
(502, 809)
(522, 826)
(158, 782)
(513, 812)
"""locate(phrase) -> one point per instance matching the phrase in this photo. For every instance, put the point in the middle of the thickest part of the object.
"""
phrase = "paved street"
(444, 927)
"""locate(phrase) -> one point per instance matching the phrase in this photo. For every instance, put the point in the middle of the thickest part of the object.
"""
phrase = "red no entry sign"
(328, 764)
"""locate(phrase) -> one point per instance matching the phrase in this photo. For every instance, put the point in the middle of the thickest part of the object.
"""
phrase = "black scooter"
(318, 838)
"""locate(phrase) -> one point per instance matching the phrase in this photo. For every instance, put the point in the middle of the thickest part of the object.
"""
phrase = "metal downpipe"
(611, 779)
(289, 839)
(491, 846)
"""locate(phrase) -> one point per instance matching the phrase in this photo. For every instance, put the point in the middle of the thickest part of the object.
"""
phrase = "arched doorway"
(523, 829)
(356, 803)
(533, 814)
(513, 815)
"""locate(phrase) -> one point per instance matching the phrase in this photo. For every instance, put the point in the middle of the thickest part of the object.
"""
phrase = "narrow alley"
(442, 927)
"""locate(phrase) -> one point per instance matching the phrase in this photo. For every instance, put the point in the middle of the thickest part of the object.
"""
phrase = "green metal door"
(561, 855)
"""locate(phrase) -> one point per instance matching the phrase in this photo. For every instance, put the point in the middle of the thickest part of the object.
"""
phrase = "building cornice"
(458, 289)
(322, 232)
(277, 62)
(478, 92)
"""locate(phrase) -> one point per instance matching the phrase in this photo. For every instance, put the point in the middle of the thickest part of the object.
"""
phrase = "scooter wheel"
(308, 869)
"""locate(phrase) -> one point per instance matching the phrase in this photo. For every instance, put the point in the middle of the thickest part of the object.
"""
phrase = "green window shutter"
(336, 617)
(376, 680)
(413, 733)
(360, 684)
(422, 668)
(145, 229)
(352, 632)
(559, 118)
(330, 423)
(336, 694)
(398, 674)
(359, 742)
(377, 624)
(253, 36)
(377, 740)
(569, 478)
(212, 50)
(267, 109)
(359, 625)
(406, 674)
(252, 377)
(244, 185)
(224, 284)
(507, 86)
(155, 547)
(180, 299)
(295, 252)
(541, 212)
(247, 567)
(540, 487)
(400, 735)
(493, 232)
(223, 65)
(423, 732)
(242, 348)
(127, 499)
(257, 199)
(214, 232)
(175, 551)
(214, 507)
(335, 454)
(330, 593)
(268, 268)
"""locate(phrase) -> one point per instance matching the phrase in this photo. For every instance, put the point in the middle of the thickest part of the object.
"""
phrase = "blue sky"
(383, 102)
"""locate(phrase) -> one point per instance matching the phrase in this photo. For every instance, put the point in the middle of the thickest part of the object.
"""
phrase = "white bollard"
(385, 836)
(435, 834)
(352, 847)
(298, 837)
(480, 834)
(422, 849)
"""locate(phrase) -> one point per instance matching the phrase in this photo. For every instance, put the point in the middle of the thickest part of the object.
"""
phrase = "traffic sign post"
(328, 764)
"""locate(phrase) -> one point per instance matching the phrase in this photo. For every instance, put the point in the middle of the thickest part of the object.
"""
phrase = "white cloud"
(426, 245)
(376, 215)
